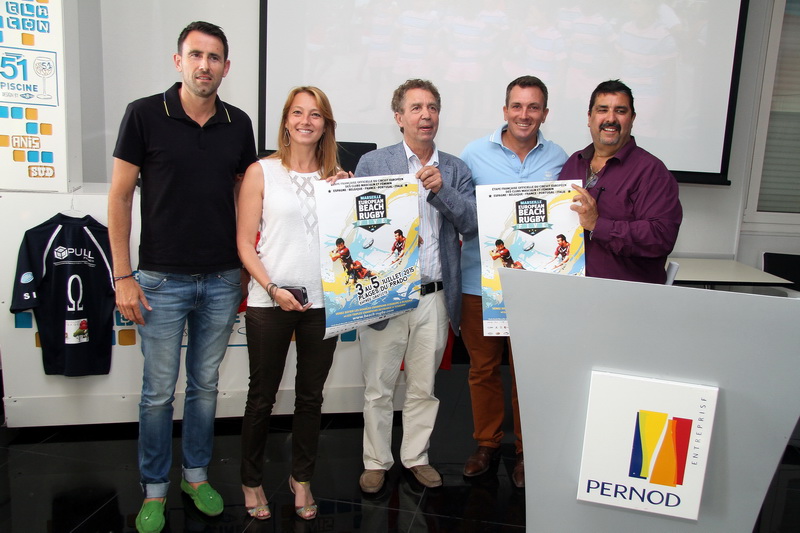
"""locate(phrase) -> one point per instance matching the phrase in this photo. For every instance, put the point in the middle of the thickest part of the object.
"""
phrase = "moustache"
(610, 125)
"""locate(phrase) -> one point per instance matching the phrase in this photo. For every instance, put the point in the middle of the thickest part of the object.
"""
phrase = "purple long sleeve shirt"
(639, 214)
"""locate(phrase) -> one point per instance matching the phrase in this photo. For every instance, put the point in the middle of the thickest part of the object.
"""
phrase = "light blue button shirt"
(492, 163)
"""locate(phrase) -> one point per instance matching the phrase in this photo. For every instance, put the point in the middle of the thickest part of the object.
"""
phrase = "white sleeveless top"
(287, 251)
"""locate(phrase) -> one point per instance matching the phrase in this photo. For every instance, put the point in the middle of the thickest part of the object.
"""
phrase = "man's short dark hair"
(527, 81)
(498, 242)
(207, 28)
(399, 96)
(609, 87)
(339, 241)
(398, 232)
(561, 236)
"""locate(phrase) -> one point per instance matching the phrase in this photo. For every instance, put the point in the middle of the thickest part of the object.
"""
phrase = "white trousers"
(418, 337)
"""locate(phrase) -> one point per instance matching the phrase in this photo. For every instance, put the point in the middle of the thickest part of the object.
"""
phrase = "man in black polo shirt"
(189, 148)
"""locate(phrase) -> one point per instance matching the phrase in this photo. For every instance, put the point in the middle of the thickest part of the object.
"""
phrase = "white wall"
(139, 38)
(762, 231)
(713, 215)
(753, 245)
(89, 83)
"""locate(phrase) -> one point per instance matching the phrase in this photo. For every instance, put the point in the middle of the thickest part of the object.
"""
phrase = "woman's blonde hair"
(327, 150)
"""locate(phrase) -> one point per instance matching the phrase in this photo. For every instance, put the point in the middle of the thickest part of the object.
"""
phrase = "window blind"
(780, 176)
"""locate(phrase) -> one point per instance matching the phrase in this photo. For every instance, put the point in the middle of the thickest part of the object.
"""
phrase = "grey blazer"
(456, 203)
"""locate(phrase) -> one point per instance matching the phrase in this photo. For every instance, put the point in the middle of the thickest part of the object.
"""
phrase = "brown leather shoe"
(518, 475)
(480, 461)
(427, 476)
(371, 481)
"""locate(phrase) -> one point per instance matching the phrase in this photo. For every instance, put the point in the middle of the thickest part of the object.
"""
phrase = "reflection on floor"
(85, 479)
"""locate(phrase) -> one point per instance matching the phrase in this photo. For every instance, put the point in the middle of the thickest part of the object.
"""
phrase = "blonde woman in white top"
(276, 202)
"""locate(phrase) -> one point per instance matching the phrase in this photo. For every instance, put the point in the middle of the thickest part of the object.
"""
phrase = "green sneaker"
(205, 498)
(151, 517)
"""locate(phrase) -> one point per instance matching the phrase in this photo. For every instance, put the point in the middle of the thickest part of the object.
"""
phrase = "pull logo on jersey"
(64, 274)
(64, 253)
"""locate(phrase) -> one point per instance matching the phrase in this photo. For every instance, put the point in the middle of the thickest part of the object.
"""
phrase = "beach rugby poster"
(369, 249)
(527, 226)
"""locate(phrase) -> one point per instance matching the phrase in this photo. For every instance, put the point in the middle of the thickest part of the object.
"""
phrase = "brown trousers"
(485, 384)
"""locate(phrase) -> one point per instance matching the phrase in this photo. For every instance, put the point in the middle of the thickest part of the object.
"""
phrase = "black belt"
(431, 287)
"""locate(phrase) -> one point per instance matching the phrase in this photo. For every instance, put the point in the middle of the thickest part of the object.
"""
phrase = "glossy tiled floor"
(84, 478)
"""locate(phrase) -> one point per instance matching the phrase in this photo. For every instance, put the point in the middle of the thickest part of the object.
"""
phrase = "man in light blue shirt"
(517, 152)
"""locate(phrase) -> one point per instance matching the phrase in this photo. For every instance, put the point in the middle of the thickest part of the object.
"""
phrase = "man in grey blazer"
(447, 210)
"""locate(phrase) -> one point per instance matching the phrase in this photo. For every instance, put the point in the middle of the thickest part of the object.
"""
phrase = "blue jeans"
(207, 304)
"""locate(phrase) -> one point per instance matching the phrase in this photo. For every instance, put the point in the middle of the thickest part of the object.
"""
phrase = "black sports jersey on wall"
(64, 274)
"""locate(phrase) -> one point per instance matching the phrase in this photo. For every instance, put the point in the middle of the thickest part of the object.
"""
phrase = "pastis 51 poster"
(527, 226)
(369, 250)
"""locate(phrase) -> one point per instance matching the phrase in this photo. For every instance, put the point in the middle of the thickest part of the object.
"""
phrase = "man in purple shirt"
(629, 205)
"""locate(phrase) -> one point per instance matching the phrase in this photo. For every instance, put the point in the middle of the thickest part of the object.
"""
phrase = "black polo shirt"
(187, 180)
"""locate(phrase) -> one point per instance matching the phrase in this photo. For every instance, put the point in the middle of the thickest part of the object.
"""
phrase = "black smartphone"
(299, 293)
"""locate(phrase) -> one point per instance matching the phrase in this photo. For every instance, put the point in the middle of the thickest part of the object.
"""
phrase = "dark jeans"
(269, 332)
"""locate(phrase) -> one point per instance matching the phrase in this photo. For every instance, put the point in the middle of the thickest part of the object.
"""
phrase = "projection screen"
(678, 56)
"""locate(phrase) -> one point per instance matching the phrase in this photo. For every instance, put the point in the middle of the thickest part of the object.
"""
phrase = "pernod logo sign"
(646, 459)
